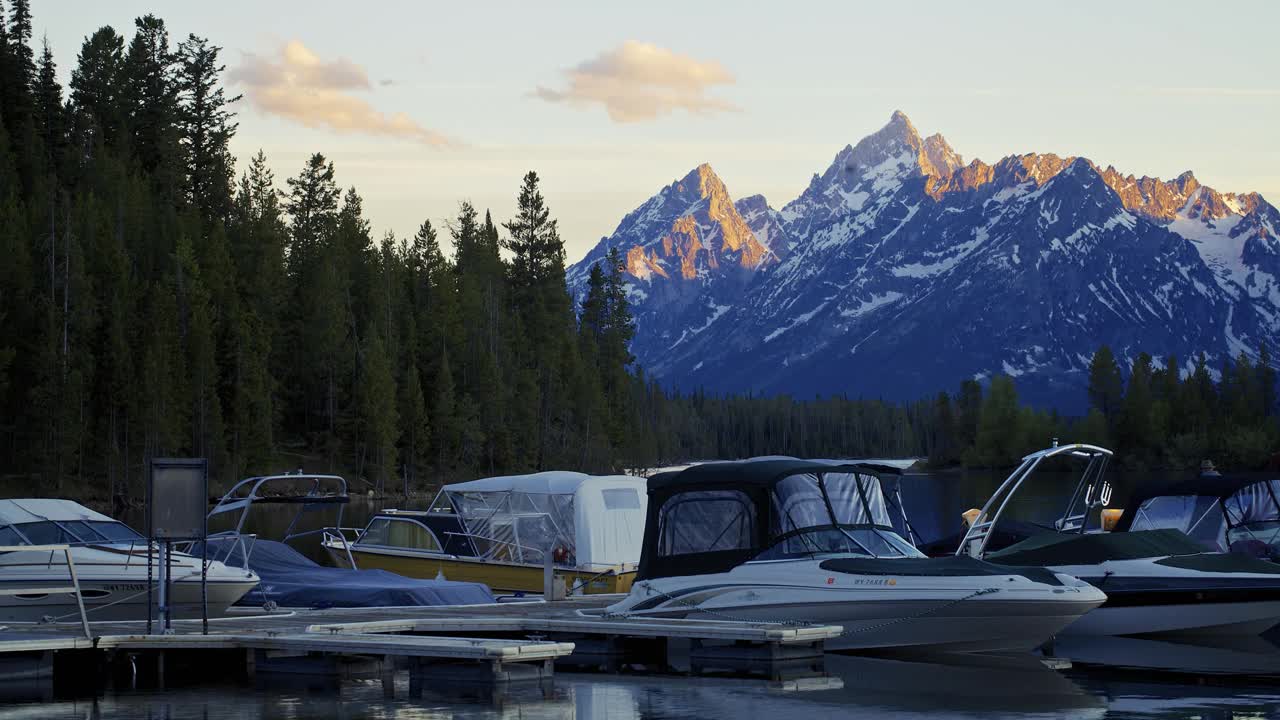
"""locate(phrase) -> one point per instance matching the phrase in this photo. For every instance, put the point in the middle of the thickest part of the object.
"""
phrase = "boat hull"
(115, 599)
(500, 577)
(1153, 597)
(925, 626)
(113, 584)
(1190, 618)
(902, 612)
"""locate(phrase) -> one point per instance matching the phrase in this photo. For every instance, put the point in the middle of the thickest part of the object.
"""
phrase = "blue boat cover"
(291, 579)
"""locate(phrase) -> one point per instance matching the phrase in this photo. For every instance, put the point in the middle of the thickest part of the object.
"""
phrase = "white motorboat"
(794, 541)
(1157, 581)
(111, 561)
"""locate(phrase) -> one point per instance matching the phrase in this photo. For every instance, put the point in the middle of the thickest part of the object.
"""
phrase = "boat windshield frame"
(1092, 491)
(882, 532)
(72, 536)
(480, 526)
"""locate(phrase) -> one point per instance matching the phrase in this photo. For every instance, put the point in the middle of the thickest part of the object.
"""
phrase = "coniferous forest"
(156, 301)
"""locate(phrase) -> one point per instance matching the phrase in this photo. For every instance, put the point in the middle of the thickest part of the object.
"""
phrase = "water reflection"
(1245, 682)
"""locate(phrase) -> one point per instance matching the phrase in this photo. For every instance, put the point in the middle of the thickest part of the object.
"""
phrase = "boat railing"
(339, 536)
(74, 588)
(231, 540)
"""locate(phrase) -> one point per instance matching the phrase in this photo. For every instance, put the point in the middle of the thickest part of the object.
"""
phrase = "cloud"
(299, 86)
(1218, 91)
(639, 81)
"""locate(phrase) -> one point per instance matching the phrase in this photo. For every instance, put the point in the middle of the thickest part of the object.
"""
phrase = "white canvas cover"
(13, 512)
(598, 519)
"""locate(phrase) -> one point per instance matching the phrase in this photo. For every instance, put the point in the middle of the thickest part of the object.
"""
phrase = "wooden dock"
(482, 643)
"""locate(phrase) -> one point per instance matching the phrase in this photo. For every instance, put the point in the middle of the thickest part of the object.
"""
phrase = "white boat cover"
(13, 512)
(600, 517)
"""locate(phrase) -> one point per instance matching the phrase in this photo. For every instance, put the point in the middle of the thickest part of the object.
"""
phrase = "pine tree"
(445, 431)
(1266, 381)
(1001, 432)
(1134, 424)
(379, 413)
(48, 104)
(969, 407)
(151, 101)
(20, 70)
(97, 90)
(207, 126)
(1106, 388)
(417, 430)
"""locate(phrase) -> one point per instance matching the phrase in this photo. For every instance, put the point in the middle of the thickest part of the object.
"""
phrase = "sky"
(424, 104)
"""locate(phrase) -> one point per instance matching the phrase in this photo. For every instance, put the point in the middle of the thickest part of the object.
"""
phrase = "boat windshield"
(69, 532)
(1253, 519)
(1199, 516)
(819, 514)
(519, 527)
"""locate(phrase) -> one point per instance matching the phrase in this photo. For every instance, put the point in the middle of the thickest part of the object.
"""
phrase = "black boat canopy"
(1219, 512)
(713, 517)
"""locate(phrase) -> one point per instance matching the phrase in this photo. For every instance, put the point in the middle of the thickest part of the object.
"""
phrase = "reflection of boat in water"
(1206, 677)
(289, 578)
(965, 683)
(501, 530)
(786, 540)
(1226, 655)
(968, 685)
(1156, 581)
(111, 560)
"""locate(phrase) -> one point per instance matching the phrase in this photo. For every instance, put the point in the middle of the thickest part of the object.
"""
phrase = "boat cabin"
(713, 517)
(58, 522)
(502, 531)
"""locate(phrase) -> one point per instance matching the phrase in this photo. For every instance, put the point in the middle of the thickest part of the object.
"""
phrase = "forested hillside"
(156, 302)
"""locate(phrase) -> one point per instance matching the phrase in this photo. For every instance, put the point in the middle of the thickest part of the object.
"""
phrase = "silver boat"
(793, 541)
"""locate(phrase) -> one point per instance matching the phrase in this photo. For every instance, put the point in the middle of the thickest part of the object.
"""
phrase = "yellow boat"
(501, 531)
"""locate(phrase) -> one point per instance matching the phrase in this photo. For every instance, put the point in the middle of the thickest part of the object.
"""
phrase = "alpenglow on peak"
(901, 270)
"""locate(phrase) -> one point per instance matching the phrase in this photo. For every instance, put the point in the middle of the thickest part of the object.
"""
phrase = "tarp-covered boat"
(290, 579)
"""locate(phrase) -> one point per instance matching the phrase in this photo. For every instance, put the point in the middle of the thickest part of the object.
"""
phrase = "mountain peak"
(900, 119)
(703, 182)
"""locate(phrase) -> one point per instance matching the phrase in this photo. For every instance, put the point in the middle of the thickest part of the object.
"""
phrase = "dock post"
(388, 673)
(548, 577)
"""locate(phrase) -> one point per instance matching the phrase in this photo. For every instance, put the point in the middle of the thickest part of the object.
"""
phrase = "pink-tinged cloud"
(639, 81)
(297, 85)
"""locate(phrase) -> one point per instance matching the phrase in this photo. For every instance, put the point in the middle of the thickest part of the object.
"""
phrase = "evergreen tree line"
(1165, 416)
(154, 304)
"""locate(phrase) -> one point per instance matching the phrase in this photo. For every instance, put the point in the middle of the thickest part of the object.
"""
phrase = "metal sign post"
(177, 501)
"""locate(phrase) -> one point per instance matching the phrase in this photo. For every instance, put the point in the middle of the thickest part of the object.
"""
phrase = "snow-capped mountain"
(901, 270)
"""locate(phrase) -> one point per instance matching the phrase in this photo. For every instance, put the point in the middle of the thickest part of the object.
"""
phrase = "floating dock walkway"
(481, 643)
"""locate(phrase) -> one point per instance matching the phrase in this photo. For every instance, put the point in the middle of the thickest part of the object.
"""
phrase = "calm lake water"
(1109, 678)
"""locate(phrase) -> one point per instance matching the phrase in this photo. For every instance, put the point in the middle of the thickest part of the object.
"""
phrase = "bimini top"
(594, 521)
(713, 517)
(14, 512)
(1222, 513)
